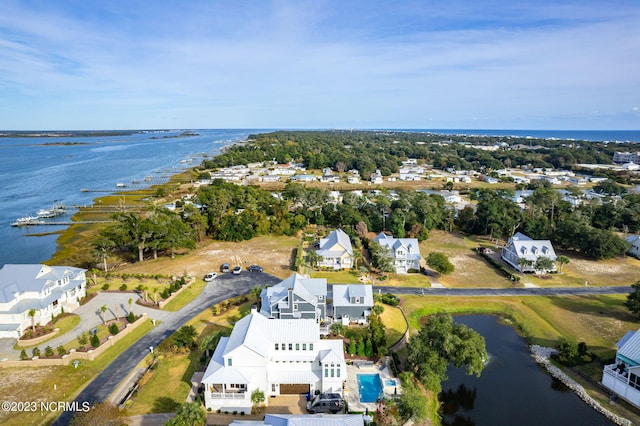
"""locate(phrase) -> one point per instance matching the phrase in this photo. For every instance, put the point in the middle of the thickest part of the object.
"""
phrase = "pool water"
(370, 387)
(390, 382)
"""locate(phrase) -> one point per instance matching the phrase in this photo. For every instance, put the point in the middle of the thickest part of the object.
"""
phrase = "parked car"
(237, 270)
(254, 268)
(210, 276)
(225, 268)
(326, 403)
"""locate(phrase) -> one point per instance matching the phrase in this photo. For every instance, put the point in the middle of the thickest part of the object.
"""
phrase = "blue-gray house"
(295, 297)
(352, 302)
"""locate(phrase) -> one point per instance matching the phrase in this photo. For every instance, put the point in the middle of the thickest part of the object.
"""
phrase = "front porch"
(623, 381)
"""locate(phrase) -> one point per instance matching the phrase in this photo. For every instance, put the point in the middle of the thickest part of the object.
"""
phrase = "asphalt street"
(228, 285)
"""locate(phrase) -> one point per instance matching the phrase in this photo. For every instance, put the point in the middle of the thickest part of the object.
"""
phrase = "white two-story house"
(404, 251)
(335, 251)
(275, 356)
(623, 376)
(43, 290)
(295, 297)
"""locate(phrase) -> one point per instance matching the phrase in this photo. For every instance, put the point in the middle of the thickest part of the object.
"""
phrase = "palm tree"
(256, 292)
(116, 312)
(103, 310)
(544, 264)
(32, 314)
(257, 398)
(130, 303)
(523, 263)
(562, 260)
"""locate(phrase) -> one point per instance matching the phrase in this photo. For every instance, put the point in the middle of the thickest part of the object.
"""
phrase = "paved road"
(532, 291)
(224, 287)
(228, 285)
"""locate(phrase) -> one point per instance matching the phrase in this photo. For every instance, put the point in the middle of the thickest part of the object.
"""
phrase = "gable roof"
(23, 278)
(342, 293)
(411, 245)
(308, 289)
(336, 244)
(633, 239)
(629, 346)
(305, 420)
(529, 249)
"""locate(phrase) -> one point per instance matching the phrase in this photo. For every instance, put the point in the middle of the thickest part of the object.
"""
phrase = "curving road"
(228, 285)
(222, 288)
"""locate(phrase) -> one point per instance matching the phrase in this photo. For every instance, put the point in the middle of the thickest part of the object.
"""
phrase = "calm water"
(34, 176)
(513, 389)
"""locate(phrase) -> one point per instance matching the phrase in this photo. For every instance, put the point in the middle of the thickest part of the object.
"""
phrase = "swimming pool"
(370, 387)
(390, 382)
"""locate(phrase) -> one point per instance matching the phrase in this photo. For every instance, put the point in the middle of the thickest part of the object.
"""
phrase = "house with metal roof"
(335, 251)
(275, 356)
(305, 420)
(623, 376)
(634, 245)
(521, 248)
(352, 302)
(404, 251)
(45, 290)
(295, 297)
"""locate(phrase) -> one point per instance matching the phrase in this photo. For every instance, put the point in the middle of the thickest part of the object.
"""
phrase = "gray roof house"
(276, 356)
(305, 420)
(405, 252)
(335, 251)
(623, 376)
(46, 289)
(295, 297)
(634, 247)
(520, 246)
(352, 302)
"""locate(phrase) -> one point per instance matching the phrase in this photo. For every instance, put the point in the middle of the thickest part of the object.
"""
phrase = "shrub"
(113, 328)
(23, 355)
(123, 287)
(83, 339)
(105, 286)
(48, 352)
(61, 350)
(36, 351)
(95, 340)
(131, 317)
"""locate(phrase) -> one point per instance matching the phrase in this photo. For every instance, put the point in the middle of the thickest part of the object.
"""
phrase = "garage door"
(289, 389)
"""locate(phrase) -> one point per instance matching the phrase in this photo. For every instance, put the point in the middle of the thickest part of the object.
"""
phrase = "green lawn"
(337, 277)
(186, 295)
(395, 325)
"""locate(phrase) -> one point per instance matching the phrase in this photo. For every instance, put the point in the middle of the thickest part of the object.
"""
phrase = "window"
(290, 346)
(331, 371)
(284, 347)
(276, 346)
(304, 346)
(310, 346)
(273, 387)
(326, 371)
(297, 346)
(229, 363)
(295, 306)
(338, 372)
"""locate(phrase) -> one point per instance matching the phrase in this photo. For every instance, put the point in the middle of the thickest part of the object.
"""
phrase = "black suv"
(254, 268)
(326, 403)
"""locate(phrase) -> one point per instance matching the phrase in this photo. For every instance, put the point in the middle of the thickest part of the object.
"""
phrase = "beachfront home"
(45, 291)
(522, 253)
(275, 356)
(295, 297)
(335, 251)
(352, 302)
(634, 247)
(623, 376)
(404, 251)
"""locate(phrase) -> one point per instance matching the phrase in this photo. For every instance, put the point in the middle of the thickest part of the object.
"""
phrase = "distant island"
(187, 134)
(66, 134)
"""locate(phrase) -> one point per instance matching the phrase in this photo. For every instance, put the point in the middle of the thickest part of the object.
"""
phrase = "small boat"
(25, 221)
(44, 213)
(121, 185)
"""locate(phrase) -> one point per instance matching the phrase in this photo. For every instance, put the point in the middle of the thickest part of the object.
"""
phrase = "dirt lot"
(274, 254)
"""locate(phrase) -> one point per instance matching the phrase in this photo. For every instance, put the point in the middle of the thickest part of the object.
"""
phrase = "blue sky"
(320, 64)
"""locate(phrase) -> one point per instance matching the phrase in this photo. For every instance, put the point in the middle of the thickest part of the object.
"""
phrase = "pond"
(513, 389)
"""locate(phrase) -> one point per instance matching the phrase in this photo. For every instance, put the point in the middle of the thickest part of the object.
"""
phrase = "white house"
(48, 290)
(335, 251)
(623, 376)
(634, 249)
(295, 297)
(404, 251)
(275, 356)
(376, 177)
(520, 246)
(305, 420)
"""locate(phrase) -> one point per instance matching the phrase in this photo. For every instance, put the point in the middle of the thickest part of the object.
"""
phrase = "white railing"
(221, 395)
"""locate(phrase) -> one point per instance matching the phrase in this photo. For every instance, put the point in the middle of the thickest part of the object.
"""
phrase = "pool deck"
(352, 394)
